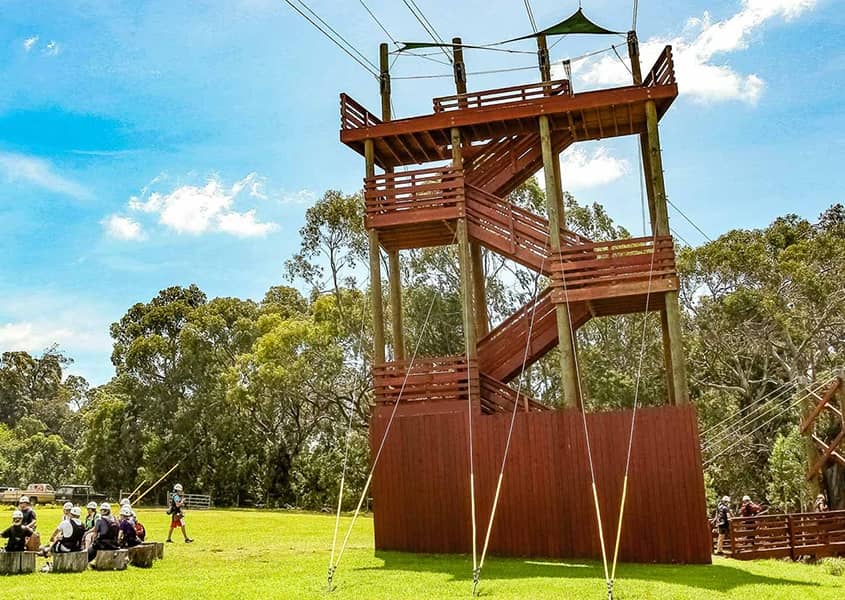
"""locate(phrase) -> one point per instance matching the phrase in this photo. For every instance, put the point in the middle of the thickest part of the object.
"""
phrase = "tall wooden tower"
(476, 148)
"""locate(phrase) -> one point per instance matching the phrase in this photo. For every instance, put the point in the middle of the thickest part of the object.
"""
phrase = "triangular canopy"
(577, 23)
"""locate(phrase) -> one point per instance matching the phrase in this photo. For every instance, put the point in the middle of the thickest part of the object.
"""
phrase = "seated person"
(105, 532)
(16, 533)
(29, 517)
(127, 538)
(68, 535)
(90, 521)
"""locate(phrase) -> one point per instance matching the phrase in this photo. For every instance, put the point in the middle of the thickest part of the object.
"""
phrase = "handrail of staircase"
(425, 379)
(663, 71)
(355, 116)
(433, 188)
(498, 397)
(506, 95)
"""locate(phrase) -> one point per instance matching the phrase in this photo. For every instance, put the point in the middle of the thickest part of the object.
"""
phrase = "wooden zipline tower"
(476, 148)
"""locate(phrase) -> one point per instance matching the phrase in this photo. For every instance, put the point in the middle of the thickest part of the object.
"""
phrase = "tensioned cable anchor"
(329, 578)
(609, 589)
(476, 576)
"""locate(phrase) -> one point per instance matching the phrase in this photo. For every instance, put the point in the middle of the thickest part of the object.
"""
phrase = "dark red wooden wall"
(421, 486)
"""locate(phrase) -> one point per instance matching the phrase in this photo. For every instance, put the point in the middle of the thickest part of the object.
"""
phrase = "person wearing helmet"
(177, 515)
(29, 517)
(820, 505)
(722, 520)
(17, 533)
(105, 532)
(749, 508)
(127, 538)
(92, 517)
(68, 535)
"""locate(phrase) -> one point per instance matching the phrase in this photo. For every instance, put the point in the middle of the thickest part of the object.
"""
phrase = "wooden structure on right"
(476, 148)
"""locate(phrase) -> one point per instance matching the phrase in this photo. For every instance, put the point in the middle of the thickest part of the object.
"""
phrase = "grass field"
(263, 554)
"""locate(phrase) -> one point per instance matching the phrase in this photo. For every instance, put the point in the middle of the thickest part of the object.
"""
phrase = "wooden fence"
(506, 95)
(792, 536)
(421, 487)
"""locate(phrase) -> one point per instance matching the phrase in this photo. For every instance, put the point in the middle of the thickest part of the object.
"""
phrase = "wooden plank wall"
(421, 486)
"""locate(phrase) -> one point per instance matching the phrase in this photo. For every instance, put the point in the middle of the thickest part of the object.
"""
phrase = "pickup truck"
(39, 493)
(10, 495)
(78, 494)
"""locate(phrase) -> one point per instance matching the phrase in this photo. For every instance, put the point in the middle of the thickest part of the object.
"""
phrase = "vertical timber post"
(465, 262)
(376, 300)
(482, 321)
(676, 371)
(564, 328)
(394, 273)
(814, 480)
(557, 218)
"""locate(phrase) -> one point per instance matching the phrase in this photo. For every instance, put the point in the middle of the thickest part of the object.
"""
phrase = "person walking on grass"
(16, 533)
(177, 515)
(723, 522)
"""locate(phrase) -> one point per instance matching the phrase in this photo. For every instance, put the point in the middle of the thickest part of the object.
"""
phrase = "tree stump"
(142, 556)
(70, 562)
(12, 563)
(111, 560)
(159, 549)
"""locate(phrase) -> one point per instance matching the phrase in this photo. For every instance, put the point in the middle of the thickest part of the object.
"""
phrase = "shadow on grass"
(716, 577)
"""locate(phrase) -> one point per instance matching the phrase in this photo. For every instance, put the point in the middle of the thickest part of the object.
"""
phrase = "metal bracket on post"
(609, 589)
(476, 576)
(330, 577)
(567, 68)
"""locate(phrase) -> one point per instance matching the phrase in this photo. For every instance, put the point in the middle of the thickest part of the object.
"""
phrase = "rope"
(372, 69)
(634, 18)
(530, 15)
(333, 568)
(379, 23)
(768, 396)
(513, 420)
(690, 221)
(426, 24)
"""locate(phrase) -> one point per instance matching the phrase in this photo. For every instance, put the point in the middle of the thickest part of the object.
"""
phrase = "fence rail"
(663, 71)
(194, 501)
(355, 116)
(414, 196)
(793, 535)
(507, 95)
(425, 379)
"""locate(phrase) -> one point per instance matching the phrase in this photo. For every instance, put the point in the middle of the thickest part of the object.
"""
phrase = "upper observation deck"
(489, 116)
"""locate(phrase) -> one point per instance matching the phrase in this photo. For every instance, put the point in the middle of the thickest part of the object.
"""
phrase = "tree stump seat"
(111, 560)
(14, 563)
(70, 562)
(159, 546)
(142, 555)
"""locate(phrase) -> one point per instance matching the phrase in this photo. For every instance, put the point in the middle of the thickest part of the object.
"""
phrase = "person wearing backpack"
(722, 520)
(105, 532)
(177, 516)
(127, 538)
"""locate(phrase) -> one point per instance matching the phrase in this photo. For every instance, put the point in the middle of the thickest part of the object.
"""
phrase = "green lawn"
(263, 554)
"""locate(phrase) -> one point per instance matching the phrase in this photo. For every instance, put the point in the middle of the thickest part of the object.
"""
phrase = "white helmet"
(75, 512)
(177, 487)
(726, 498)
(105, 507)
(746, 498)
(24, 500)
(17, 516)
(125, 511)
(92, 505)
(125, 502)
(67, 506)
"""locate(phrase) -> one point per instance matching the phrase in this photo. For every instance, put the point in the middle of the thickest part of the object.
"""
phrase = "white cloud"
(29, 43)
(697, 48)
(52, 48)
(28, 337)
(123, 228)
(39, 172)
(194, 210)
(581, 169)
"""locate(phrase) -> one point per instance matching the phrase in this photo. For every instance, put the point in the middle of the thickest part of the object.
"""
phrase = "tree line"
(255, 400)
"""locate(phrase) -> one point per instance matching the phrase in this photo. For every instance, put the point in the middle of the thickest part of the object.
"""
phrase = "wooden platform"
(788, 536)
(421, 486)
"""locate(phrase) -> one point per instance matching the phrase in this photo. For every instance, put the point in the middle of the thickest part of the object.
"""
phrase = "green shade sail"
(577, 23)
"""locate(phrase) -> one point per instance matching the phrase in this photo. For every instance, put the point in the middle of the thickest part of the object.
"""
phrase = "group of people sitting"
(100, 530)
(722, 519)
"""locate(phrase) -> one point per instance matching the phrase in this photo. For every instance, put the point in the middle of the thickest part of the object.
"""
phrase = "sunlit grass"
(261, 554)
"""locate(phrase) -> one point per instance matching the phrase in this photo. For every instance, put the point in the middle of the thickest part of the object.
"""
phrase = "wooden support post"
(637, 74)
(479, 283)
(376, 299)
(554, 207)
(667, 356)
(676, 372)
(394, 273)
(465, 261)
(543, 60)
(810, 451)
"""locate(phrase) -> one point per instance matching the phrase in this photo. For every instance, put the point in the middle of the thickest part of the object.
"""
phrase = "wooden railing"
(507, 95)
(617, 268)
(355, 116)
(414, 196)
(497, 397)
(793, 536)
(663, 71)
(518, 233)
(425, 379)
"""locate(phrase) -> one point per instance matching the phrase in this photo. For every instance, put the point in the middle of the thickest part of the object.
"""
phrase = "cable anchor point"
(329, 578)
(476, 575)
(609, 589)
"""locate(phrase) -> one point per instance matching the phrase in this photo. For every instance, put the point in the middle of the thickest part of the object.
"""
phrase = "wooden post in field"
(376, 299)
(394, 273)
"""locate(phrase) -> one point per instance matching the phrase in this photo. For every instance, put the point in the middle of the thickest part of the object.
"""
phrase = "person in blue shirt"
(177, 515)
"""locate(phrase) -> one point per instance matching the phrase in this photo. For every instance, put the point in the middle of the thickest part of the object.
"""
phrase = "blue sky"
(147, 144)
